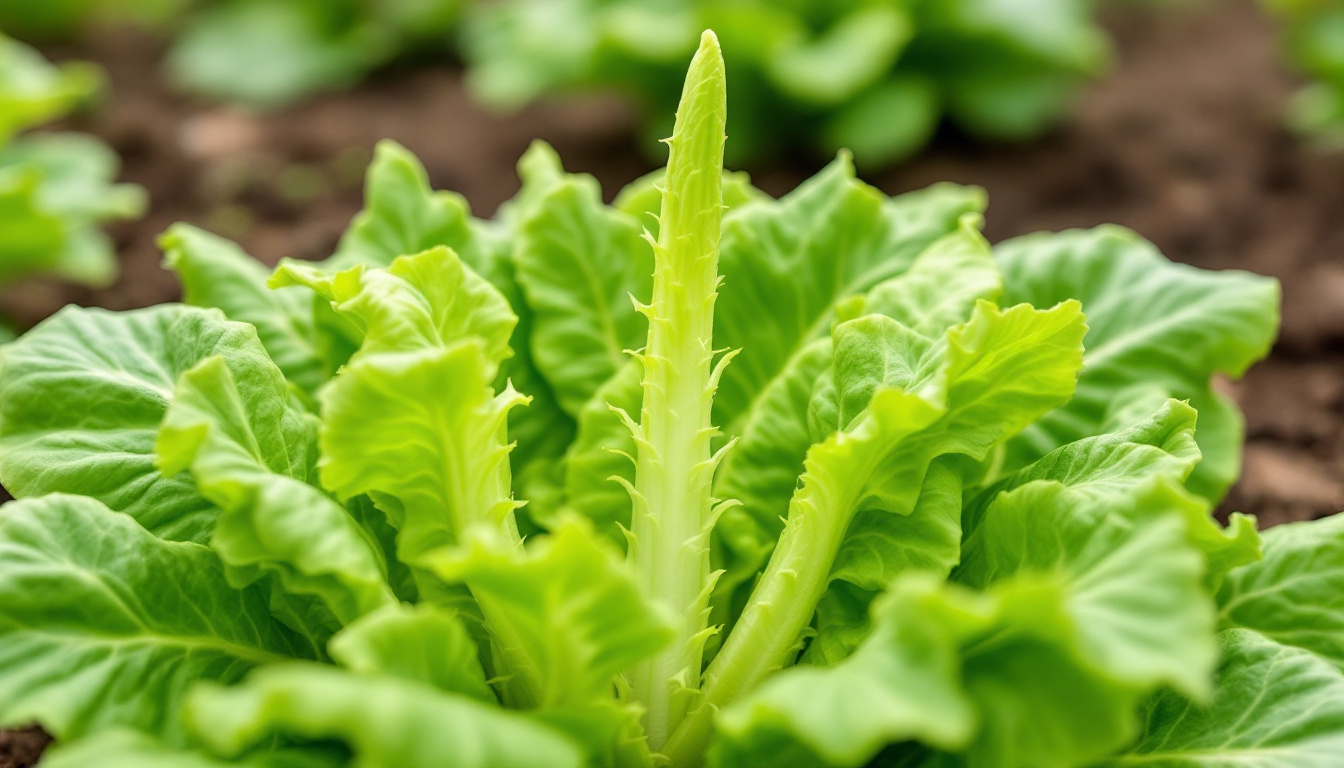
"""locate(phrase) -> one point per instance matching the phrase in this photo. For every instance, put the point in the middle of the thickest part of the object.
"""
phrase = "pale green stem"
(770, 630)
(669, 537)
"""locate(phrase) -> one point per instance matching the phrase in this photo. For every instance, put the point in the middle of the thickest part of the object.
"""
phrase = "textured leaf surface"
(217, 273)
(422, 644)
(251, 451)
(1295, 596)
(81, 398)
(1273, 707)
(1151, 323)
(104, 625)
(387, 722)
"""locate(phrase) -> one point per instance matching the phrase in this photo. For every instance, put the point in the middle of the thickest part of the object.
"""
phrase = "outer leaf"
(104, 625)
(1098, 470)
(1135, 589)
(1152, 323)
(579, 264)
(422, 644)
(387, 722)
(993, 678)
(250, 450)
(1295, 596)
(1274, 707)
(216, 273)
(128, 749)
(81, 398)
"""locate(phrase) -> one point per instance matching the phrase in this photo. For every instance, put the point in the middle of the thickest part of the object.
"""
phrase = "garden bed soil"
(1183, 143)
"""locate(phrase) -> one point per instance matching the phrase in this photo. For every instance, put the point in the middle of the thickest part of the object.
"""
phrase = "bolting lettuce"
(817, 481)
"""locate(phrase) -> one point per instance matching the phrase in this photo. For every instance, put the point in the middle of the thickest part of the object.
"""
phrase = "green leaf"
(877, 550)
(402, 215)
(34, 91)
(1274, 706)
(422, 643)
(938, 291)
(55, 189)
(963, 394)
(423, 301)
(992, 677)
(303, 45)
(579, 616)
(217, 273)
(81, 398)
(1152, 323)
(104, 625)
(1134, 582)
(579, 263)
(1295, 596)
(250, 449)
(386, 722)
(602, 452)
(128, 749)
(785, 264)
(1099, 470)
(833, 67)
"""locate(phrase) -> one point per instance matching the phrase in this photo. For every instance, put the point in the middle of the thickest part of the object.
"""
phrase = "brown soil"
(22, 748)
(1182, 143)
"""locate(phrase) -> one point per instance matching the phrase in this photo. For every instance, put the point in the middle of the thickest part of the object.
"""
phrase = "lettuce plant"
(1313, 37)
(874, 76)
(863, 491)
(55, 188)
(308, 45)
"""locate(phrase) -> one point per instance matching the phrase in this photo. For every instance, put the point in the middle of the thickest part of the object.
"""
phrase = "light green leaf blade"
(786, 263)
(402, 215)
(422, 644)
(34, 91)
(251, 449)
(963, 394)
(81, 398)
(1134, 583)
(387, 722)
(1098, 470)
(1273, 706)
(1295, 596)
(217, 273)
(1152, 323)
(578, 615)
(603, 451)
(879, 548)
(579, 263)
(939, 290)
(129, 749)
(425, 300)
(104, 625)
(992, 678)
(424, 428)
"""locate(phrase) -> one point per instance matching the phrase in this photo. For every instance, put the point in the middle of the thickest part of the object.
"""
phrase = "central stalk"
(673, 509)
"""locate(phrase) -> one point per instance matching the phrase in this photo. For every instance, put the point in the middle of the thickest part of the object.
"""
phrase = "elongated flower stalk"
(673, 508)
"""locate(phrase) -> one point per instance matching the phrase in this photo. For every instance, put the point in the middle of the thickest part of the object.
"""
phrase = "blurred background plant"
(874, 76)
(55, 188)
(1313, 41)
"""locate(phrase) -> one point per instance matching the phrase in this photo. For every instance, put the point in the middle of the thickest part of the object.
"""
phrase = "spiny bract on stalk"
(371, 511)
